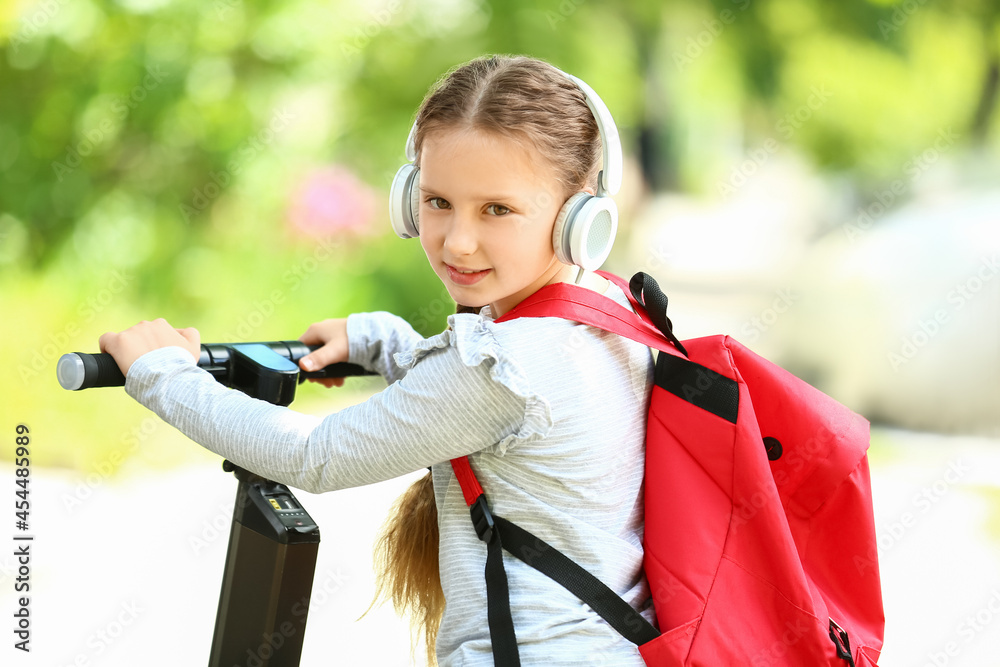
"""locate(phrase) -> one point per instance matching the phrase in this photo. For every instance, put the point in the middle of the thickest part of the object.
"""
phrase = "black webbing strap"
(842, 642)
(500, 534)
(698, 385)
(498, 606)
(647, 292)
(560, 568)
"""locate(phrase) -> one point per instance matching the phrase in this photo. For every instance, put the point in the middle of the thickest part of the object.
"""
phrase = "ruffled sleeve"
(373, 339)
(472, 337)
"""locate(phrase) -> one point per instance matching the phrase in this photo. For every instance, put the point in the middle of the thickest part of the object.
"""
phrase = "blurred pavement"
(131, 576)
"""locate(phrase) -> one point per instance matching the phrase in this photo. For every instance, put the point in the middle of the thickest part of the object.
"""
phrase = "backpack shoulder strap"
(646, 292)
(500, 534)
(649, 325)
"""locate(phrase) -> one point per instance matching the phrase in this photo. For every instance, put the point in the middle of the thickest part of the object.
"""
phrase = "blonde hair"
(527, 100)
(524, 99)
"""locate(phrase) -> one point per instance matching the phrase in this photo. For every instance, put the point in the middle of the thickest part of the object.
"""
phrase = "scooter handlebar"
(81, 370)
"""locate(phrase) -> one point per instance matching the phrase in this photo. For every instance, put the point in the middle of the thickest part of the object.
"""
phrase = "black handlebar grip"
(341, 369)
(79, 370)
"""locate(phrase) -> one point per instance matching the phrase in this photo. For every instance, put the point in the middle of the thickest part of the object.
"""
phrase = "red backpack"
(759, 535)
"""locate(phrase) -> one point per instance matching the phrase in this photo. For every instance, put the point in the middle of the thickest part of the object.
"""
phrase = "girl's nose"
(460, 238)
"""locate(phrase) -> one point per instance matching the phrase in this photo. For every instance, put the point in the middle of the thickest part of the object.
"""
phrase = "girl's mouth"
(465, 276)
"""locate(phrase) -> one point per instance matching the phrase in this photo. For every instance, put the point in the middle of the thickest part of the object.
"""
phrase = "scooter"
(273, 542)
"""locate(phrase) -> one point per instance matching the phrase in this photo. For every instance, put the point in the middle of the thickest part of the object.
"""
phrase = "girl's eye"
(438, 202)
(497, 209)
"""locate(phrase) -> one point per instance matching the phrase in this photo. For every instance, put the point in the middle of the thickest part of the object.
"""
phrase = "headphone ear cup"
(403, 202)
(585, 230)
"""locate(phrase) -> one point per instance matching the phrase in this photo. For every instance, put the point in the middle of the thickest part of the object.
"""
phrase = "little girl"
(551, 413)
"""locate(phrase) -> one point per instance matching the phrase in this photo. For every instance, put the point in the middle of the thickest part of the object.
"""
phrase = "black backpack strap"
(502, 635)
(648, 294)
(560, 568)
(500, 534)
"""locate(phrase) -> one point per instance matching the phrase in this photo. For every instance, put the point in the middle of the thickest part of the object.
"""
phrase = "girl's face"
(487, 208)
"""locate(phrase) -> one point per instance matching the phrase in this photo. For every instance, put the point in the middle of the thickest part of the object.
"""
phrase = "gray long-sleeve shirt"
(552, 414)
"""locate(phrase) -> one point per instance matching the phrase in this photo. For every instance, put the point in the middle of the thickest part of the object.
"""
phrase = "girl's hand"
(333, 335)
(144, 337)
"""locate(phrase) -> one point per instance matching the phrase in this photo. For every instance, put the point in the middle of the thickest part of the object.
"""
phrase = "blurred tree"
(986, 15)
(141, 127)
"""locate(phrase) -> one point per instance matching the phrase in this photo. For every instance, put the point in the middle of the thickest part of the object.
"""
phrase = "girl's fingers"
(311, 335)
(324, 356)
(193, 338)
(332, 334)
(106, 339)
(128, 345)
(191, 334)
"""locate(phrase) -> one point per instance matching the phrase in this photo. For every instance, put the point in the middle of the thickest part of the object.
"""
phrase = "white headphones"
(586, 226)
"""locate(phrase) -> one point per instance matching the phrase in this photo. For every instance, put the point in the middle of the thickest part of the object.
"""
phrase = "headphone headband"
(609, 180)
(411, 143)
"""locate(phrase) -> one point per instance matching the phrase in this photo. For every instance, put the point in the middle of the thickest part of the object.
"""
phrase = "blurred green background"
(225, 164)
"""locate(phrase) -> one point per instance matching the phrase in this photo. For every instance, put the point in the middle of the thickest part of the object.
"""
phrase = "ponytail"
(406, 557)
(406, 561)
